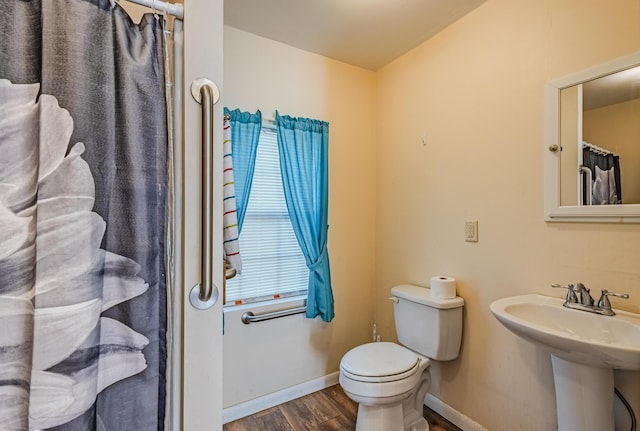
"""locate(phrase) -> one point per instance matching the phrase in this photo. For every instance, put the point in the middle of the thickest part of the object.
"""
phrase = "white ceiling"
(611, 89)
(365, 33)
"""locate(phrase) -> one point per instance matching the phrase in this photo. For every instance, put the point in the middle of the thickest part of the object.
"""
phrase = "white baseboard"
(256, 405)
(452, 415)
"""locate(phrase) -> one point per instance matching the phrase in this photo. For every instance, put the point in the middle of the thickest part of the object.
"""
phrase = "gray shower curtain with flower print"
(83, 145)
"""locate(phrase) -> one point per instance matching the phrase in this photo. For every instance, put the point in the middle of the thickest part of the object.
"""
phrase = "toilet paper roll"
(443, 287)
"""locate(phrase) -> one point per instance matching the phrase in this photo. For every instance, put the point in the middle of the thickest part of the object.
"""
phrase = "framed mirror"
(592, 144)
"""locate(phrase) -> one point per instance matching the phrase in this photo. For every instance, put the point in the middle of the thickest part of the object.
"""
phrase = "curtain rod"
(264, 120)
(596, 149)
(175, 9)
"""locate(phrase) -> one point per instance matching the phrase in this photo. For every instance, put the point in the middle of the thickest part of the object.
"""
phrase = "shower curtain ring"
(155, 11)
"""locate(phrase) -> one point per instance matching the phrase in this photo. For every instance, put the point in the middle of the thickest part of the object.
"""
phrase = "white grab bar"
(585, 170)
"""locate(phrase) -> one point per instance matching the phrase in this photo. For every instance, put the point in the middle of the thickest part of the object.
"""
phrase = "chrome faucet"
(579, 298)
(584, 294)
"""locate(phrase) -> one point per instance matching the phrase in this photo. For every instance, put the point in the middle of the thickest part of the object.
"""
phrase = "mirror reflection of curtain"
(605, 187)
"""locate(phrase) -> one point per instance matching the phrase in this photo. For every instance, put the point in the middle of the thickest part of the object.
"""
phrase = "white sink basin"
(585, 349)
(574, 335)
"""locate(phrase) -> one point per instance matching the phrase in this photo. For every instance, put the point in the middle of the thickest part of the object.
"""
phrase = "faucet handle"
(571, 294)
(604, 302)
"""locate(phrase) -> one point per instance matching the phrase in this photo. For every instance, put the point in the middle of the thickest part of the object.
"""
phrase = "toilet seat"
(379, 362)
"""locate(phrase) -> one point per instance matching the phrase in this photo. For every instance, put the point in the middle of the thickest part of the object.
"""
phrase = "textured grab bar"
(249, 317)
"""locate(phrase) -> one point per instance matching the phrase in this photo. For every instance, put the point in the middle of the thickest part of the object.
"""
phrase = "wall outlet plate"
(471, 231)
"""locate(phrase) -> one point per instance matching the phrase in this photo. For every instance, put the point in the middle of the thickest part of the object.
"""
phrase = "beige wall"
(616, 128)
(266, 75)
(397, 207)
(476, 91)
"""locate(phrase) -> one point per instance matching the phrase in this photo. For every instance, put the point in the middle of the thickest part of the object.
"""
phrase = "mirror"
(592, 144)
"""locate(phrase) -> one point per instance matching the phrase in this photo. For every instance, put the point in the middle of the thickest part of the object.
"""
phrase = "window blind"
(272, 263)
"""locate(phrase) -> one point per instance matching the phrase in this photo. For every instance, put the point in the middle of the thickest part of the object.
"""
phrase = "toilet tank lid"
(422, 295)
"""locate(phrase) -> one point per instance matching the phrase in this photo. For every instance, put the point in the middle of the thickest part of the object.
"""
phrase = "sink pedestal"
(584, 396)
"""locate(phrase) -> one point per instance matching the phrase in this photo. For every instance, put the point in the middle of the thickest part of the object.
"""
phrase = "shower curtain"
(83, 186)
(606, 185)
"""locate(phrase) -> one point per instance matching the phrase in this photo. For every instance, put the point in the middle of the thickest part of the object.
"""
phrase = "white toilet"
(389, 381)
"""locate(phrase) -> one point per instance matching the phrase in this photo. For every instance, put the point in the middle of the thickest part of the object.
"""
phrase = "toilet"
(389, 381)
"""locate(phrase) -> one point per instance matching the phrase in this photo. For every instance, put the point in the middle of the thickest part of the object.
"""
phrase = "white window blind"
(272, 263)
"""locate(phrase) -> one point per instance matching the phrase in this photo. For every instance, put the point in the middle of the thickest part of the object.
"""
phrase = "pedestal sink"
(585, 348)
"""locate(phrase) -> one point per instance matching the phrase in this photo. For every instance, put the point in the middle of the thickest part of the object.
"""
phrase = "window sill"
(267, 306)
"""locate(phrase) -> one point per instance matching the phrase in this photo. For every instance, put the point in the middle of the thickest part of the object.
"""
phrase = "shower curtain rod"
(175, 9)
(596, 149)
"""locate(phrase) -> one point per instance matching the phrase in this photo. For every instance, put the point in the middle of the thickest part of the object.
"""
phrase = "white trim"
(452, 415)
(201, 330)
(256, 405)
(288, 300)
(553, 210)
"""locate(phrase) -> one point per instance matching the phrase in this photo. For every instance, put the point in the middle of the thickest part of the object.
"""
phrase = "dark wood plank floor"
(327, 410)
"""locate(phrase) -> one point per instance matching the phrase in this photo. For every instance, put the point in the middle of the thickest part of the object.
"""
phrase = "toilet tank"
(429, 326)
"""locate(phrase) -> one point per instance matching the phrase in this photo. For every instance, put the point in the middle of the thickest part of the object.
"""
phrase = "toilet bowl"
(389, 381)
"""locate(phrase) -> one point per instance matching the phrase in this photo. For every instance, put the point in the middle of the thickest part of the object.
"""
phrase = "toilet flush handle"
(394, 299)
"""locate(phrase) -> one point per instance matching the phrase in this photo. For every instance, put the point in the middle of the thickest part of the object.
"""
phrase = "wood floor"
(326, 410)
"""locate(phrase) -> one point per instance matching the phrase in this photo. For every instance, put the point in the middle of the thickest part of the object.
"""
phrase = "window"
(272, 263)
